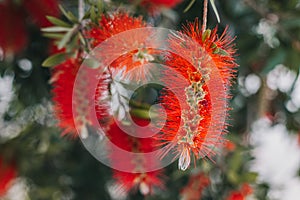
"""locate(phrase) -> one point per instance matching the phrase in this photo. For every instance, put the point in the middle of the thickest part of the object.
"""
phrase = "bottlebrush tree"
(189, 128)
(138, 99)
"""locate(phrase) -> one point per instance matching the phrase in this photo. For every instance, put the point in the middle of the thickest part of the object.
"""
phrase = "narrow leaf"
(54, 60)
(93, 14)
(213, 5)
(206, 34)
(65, 39)
(189, 6)
(100, 7)
(141, 113)
(53, 35)
(58, 22)
(56, 29)
(68, 15)
(81, 38)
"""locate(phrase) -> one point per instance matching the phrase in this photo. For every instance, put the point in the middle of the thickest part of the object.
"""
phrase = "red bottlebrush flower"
(13, 34)
(246, 189)
(164, 3)
(7, 174)
(145, 182)
(235, 195)
(110, 25)
(141, 177)
(154, 7)
(63, 79)
(39, 9)
(229, 146)
(195, 125)
(241, 194)
(134, 55)
(193, 190)
(220, 49)
(53, 49)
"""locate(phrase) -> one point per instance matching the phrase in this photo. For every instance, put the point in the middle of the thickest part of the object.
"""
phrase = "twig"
(80, 9)
(204, 15)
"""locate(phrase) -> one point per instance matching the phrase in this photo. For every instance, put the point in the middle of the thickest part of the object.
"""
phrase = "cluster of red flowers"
(155, 6)
(66, 96)
(63, 80)
(143, 178)
(13, 18)
(190, 108)
(7, 174)
(241, 194)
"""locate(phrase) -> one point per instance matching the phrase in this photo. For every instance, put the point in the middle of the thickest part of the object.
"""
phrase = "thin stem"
(204, 15)
(80, 9)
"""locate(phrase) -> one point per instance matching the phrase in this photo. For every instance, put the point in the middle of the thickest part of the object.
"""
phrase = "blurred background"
(260, 160)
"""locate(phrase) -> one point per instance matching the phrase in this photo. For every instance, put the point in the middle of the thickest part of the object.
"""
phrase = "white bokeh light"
(277, 159)
(281, 78)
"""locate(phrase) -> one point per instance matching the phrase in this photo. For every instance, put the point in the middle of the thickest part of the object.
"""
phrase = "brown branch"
(204, 20)
(80, 9)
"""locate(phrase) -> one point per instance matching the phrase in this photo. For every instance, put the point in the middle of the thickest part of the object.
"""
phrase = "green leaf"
(58, 22)
(212, 2)
(236, 161)
(206, 34)
(54, 60)
(100, 7)
(143, 113)
(56, 29)
(82, 39)
(67, 37)
(93, 14)
(189, 6)
(222, 52)
(68, 15)
(232, 177)
(249, 177)
(53, 35)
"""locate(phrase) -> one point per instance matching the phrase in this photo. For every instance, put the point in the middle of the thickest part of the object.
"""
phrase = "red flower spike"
(241, 194)
(132, 60)
(13, 34)
(235, 195)
(39, 9)
(7, 174)
(163, 3)
(246, 189)
(198, 133)
(112, 25)
(221, 49)
(145, 180)
(63, 79)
